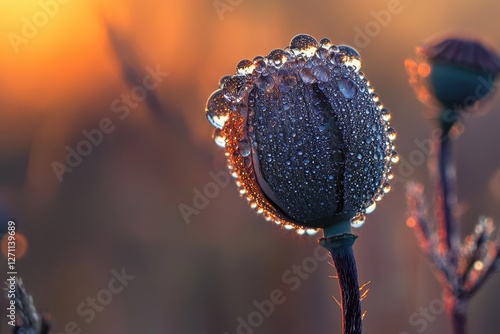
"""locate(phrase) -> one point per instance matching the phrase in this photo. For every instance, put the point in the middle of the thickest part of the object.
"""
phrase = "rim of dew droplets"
(304, 59)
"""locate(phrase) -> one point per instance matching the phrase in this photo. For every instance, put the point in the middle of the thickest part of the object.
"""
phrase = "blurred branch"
(462, 268)
(28, 319)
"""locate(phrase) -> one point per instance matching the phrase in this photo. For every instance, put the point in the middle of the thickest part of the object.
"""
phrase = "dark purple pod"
(462, 72)
(306, 136)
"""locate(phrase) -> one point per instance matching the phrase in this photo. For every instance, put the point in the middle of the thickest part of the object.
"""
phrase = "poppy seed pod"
(306, 137)
(456, 73)
(460, 69)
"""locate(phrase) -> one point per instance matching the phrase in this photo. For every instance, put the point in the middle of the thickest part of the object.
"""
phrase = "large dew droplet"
(358, 221)
(222, 80)
(391, 133)
(245, 67)
(347, 87)
(351, 57)
(300, 231)
(386, 115)
(321, 73)
(278, 57)
(311, 231)
(235, 89)
(286, 80)
(265, 83)
(307, 76)
(218, 138)
(217, 109)
(260, 64)
(245, 148)
(304, 44)
(370, 208)
(325, 43)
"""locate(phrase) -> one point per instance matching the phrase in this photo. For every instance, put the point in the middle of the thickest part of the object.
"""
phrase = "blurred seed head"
(454, 72)
(305, 135)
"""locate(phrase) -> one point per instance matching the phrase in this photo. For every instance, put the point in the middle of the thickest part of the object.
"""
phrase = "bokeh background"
(120, 206)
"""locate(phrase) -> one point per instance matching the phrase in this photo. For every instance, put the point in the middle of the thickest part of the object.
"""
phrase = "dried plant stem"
(461, 267)
(449, 232)
(449, 235)
(340, 247)
(459, 316)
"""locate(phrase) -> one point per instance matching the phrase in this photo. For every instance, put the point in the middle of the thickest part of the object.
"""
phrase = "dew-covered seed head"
(306, 137)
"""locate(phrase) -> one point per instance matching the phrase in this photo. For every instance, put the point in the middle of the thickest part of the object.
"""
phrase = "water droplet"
(286, 80)
(347, 87)
(217, 109)
(273, 123)
(311, 231)
(352, 57)
(386, 187)
(265, 83)
(288, 227)
(218, 138)
(306, 74)
(321, 73)
(245, 67)
(234, 89)
(325, 43)
(386, 115)
(278, 57)
(358, 220)
(245, 148)
(304, 44)
(394, 157)
(338, 59)
(391, 133)
(379, 195)
(370, 208)
(301, 231)
(321, 54)
(260, 64)
(222, 80)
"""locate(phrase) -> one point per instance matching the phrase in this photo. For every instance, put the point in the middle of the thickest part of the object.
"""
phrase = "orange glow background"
(119, 207)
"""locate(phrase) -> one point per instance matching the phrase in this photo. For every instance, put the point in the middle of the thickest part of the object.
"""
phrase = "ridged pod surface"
(306, 137)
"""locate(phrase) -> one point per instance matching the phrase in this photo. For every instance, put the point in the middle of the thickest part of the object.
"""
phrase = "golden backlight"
(48, 47)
